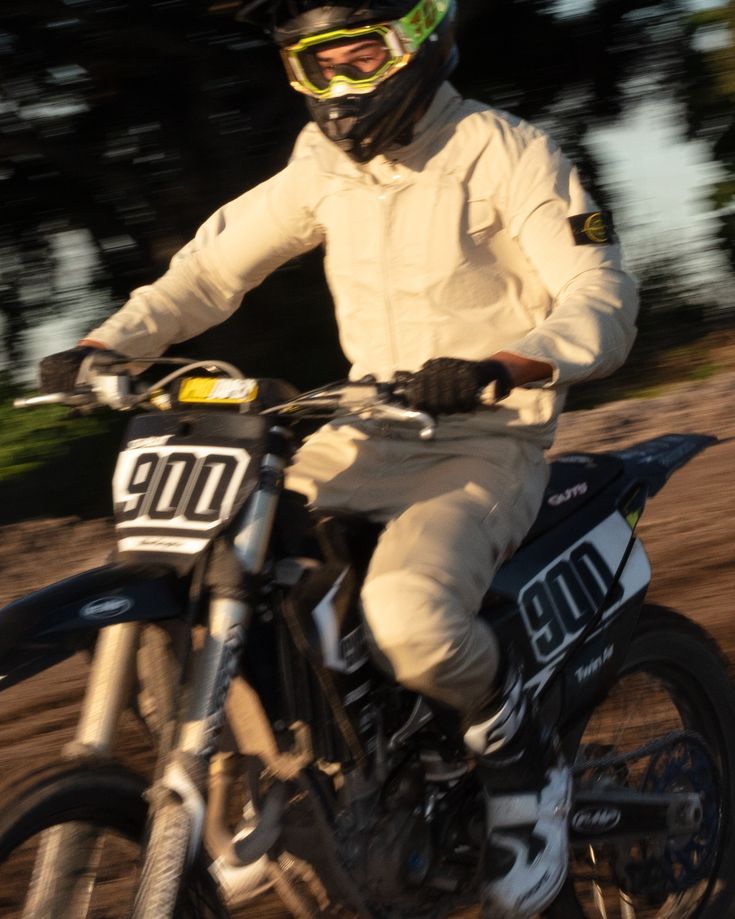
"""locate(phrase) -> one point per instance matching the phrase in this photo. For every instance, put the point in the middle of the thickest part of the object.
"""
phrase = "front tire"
(100, 812)
(673, 679)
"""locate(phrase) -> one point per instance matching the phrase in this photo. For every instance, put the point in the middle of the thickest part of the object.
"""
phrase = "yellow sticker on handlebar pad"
(218, 390)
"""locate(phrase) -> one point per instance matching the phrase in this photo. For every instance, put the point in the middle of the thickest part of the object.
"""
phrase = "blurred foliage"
(124, 123)
(53, 462)
(30, 439)
(130, 121)
(708, 93)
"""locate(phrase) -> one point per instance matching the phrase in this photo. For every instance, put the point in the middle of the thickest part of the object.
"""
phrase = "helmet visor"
(343, 61)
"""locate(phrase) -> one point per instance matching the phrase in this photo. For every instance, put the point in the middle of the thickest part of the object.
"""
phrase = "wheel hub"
(685, 766)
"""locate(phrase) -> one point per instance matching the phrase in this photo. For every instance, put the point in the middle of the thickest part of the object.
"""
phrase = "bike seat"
(575, 478)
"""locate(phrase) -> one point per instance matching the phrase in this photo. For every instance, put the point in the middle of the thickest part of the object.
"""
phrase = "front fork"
(178, 798)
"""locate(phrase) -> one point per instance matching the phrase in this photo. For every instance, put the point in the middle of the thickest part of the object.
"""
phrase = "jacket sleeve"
(232, 252)
(591, 326)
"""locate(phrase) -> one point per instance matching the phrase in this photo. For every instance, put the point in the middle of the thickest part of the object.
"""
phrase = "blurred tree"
(132, 120)
(708, 93)
(570, 67)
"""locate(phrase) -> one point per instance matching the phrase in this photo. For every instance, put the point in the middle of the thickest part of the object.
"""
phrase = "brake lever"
(390, 412)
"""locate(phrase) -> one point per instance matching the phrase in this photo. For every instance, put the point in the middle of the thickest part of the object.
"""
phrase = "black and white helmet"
(399, 53)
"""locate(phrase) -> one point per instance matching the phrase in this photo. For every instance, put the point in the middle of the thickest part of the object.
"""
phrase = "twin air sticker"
(218, 391)
(106, 608)
(595, 229)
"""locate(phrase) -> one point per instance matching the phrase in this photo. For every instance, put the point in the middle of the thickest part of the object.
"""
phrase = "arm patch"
(594, 229)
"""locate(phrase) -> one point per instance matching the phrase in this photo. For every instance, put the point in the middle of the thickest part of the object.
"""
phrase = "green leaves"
(31, 438)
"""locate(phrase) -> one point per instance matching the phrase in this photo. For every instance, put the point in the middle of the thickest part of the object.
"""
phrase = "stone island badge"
(595, 229)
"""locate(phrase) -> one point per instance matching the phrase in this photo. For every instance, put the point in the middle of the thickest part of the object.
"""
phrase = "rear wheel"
(70, 845)
(673, 681)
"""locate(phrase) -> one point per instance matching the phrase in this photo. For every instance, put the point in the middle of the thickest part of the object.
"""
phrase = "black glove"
(447, 384)
(58, 372)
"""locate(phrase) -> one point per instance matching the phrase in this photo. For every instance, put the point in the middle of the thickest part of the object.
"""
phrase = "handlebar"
(54, 398)
(362, 399)
(365, 399)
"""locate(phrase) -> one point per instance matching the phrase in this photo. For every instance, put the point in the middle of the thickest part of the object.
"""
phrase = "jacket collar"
(428, 133)
(445, 102)
(428, 138)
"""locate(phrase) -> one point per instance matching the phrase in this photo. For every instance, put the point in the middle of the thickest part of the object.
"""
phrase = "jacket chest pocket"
(437, 228)
(481, 220)
(352, 218)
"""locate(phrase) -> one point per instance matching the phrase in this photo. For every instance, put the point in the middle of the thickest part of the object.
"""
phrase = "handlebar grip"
(54, 398)
(71, 400)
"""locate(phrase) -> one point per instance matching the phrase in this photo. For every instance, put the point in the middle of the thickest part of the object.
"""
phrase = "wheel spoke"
(597, 894)
(663, 727)
(627, 910)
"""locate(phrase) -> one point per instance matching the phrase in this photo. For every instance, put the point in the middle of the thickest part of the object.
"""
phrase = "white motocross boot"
(527, 786)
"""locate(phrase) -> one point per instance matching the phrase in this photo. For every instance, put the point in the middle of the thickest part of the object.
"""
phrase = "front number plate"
(174, 498)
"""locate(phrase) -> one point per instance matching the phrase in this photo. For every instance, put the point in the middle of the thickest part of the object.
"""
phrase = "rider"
(460, 245)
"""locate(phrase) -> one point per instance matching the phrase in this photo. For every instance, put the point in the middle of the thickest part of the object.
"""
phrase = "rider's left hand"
(60, 372)
(447, 384)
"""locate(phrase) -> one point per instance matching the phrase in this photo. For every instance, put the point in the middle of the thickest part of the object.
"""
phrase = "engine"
(420, 833)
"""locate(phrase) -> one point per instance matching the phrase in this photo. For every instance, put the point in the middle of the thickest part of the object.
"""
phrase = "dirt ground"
(688, 531)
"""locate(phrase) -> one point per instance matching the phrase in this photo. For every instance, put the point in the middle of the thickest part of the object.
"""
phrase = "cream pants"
(453, 511)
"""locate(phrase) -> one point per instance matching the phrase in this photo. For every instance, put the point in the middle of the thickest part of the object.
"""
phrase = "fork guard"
(51, 624)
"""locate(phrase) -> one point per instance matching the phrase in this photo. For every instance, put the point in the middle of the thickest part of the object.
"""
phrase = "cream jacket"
(457, 245)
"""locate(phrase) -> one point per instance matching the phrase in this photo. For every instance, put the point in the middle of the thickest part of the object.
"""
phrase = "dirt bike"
(230, 621)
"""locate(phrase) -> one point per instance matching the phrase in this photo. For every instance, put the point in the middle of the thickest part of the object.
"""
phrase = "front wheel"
(673, 683)
(71, 844)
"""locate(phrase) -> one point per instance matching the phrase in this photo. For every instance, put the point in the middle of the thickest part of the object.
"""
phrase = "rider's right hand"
(59, 372)
(448, 384)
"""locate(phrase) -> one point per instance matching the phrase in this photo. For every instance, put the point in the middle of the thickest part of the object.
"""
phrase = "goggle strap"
(414, 28)
(421, 21)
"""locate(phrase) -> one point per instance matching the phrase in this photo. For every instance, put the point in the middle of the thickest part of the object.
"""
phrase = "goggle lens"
(357, 62)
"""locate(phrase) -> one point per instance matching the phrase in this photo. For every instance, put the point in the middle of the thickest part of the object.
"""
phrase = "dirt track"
(688, 531)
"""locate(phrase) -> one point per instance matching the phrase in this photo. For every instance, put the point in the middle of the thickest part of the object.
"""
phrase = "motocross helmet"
(366, 106)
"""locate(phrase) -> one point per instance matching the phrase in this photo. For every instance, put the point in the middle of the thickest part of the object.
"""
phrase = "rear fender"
(654, 461)
(51, 624)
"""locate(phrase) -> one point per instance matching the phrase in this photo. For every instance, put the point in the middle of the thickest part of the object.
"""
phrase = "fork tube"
(251, 541)
(107, 691)
(64, 869)
(178, 799)
(64, 872)
(215, 667)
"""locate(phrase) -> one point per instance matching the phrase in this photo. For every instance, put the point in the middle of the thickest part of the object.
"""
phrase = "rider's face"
(365, 55)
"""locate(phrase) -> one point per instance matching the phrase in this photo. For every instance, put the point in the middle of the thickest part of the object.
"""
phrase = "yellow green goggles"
(343, 61)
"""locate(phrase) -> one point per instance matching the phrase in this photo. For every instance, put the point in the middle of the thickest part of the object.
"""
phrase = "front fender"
(51, 624)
